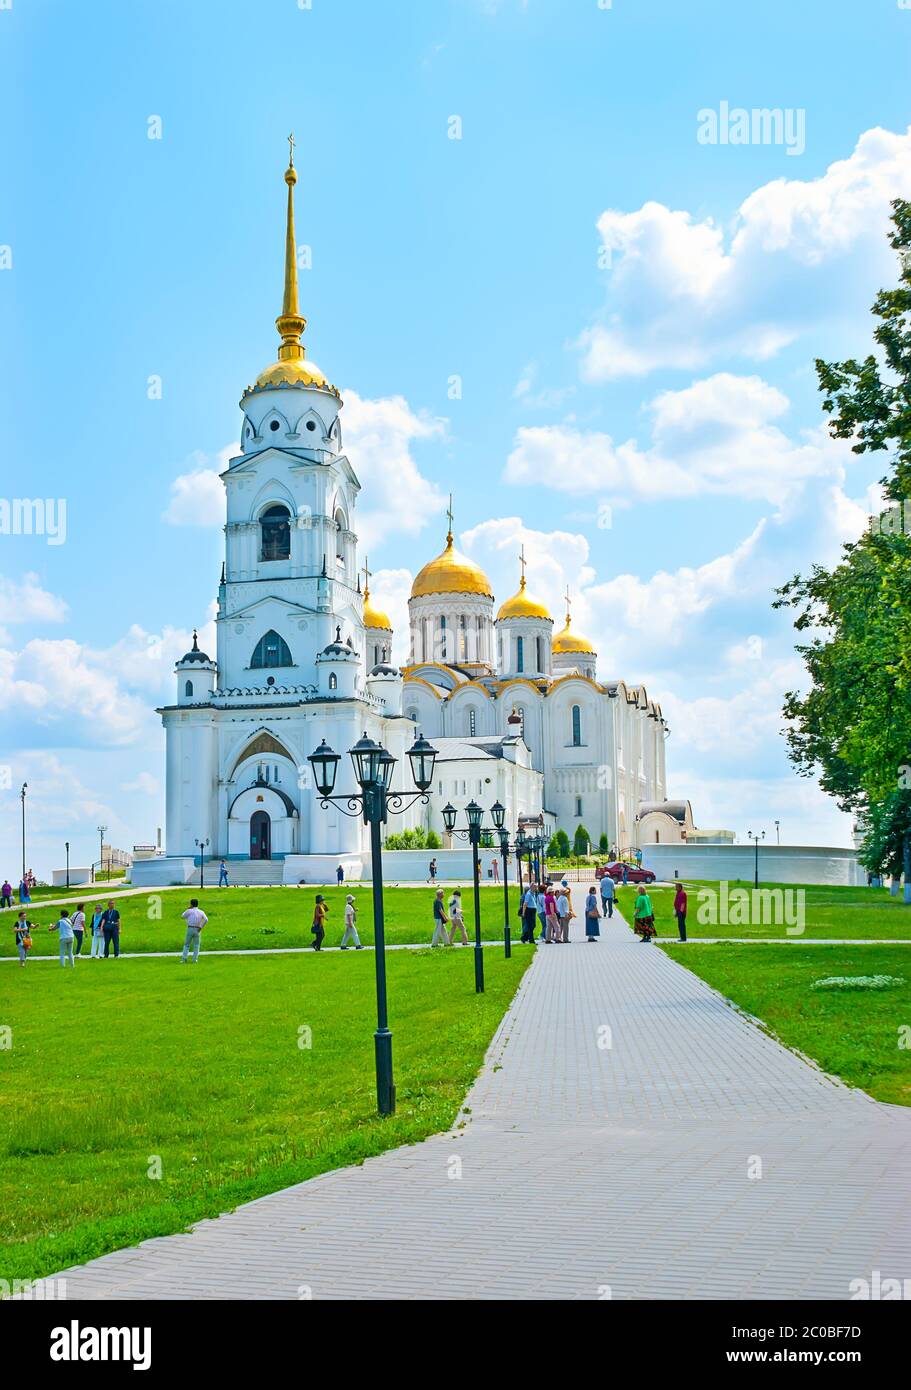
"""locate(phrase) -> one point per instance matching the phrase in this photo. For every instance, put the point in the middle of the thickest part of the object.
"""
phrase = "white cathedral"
(516, 712)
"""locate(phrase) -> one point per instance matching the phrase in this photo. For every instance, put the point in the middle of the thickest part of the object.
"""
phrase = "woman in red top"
(551, 924)
(680, 910)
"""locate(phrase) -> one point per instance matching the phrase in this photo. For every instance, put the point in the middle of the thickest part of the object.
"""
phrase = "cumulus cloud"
(198, 496)
(25, 601)
(379, 436)
(719, 435)
(798, 252)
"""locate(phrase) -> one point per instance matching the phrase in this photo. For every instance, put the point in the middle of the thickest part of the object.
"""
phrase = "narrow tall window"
(539, 647)
(333, 681)
(444, 653)
(275, 525)
(271, 650)
(472, 723)
(577, 726)
(463, 640)
(520, 654)
(188, 689)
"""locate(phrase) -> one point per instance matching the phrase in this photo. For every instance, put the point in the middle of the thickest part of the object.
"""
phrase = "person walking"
(432, 871)
(456, 919)
(644, 916)
(625, 874)
(23, 929)
(223, 875)
(680, 910)
(541, 910)
(608, 893)
(440, 931)
(350, 925)
(320, 913)
(6, 894)
(78, 924)
(564, 909)
(529, 915)
(495, 866)
(65, 929)
(592, 916)
(195, 919)
(24, 894)
(340, 875)
(110, 926)
(569, 899)
(97, 931)
(551, 919)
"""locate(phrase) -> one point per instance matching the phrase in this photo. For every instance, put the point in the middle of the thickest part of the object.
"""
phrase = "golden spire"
(568, 606)
(289, 323)
(366, 573)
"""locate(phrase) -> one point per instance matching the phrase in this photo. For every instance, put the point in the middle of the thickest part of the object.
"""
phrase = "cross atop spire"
(568, 598)
(522, 564)
(366, 572)
(290, 322)
(291, 150)
(449, 515)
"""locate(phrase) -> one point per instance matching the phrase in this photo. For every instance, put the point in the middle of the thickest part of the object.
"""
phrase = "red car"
(632, 875)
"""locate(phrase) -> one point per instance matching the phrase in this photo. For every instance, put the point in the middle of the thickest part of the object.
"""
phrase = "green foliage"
(581, 841)
(418, 838)
(561, 841)
(433, 840)
(853, 725)
(887, 826)
(603, 843)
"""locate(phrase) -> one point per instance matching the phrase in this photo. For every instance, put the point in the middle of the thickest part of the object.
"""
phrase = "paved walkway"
(692, 1157)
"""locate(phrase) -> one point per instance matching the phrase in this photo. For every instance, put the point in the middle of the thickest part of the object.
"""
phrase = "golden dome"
(375, 617)
(294, 372)
(567, 642)
(451, 573)
(521, 605)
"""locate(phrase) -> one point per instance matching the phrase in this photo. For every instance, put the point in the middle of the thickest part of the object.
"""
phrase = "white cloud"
(798, 252)
(24, 601)
(378, 438)
(198, 496)
(144, 782)
(717, 436)
(390, 591)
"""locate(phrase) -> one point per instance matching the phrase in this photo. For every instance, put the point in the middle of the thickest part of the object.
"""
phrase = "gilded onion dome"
(291, 369)
(375, 617)
(451, 573)
(567, 642)
(522, 605)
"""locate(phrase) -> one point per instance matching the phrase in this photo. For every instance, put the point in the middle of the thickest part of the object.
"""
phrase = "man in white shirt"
(350, 928)
(65, 929)
(195, 919)
(563, 913)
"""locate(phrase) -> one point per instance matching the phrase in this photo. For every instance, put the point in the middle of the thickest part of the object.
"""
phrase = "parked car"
(633, 874)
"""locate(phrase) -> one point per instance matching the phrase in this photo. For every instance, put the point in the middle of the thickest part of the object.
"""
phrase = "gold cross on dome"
(449, 513)
(568, 598)
(291, 149)
(366, 573)
(522, 561)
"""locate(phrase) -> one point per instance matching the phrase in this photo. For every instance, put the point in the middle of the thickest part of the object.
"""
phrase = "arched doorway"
(260, 835)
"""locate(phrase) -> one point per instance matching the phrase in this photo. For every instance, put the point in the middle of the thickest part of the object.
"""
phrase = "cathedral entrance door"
(260, 835)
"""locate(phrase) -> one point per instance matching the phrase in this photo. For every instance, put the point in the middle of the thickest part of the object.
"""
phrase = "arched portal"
(260, 835)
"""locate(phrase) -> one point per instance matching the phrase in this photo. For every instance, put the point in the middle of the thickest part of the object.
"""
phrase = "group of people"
(71, 928)
(26, 884)
(548, 909)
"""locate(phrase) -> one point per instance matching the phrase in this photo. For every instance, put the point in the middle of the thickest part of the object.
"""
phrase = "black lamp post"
(474, 815)
(101, 834)
(22, 798)
(498, 816)
(373, 766)
(520, 850)
(756, 839)
(202, 846)
(66, 846)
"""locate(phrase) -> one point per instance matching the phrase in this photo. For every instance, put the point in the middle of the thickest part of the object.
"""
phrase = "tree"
(562, 840)
(581, 841)
(433, 840)
(887, 841)
(853, 725)
(603, 843)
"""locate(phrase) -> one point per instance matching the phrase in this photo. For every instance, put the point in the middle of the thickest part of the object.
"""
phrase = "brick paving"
(631, 1135)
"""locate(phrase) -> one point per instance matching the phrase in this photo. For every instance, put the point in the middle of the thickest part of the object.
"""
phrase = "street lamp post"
(22, 797)
(475, 814)
(202, 846)
(777, 834)
(66, 846)
(102, 831)
(756, 839)
(373, 765)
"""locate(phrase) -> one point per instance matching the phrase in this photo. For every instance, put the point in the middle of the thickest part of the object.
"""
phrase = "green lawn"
(852, 1035)
(201, 1066)
(850, 913)
(247, 918)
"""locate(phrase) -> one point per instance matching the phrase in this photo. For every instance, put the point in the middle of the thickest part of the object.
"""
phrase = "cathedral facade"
(303, 654)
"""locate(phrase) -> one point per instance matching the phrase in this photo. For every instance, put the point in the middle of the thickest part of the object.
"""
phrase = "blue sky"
(633, 316)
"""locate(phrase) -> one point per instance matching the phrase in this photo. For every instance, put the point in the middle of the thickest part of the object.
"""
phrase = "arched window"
(333, 681)
(275, 524)
(271, 650)
(188, 689)
(577, 727)
(520, 654)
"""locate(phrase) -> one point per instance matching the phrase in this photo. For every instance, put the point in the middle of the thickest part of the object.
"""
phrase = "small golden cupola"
(374, 618)
(571, 651)
(524, 629)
